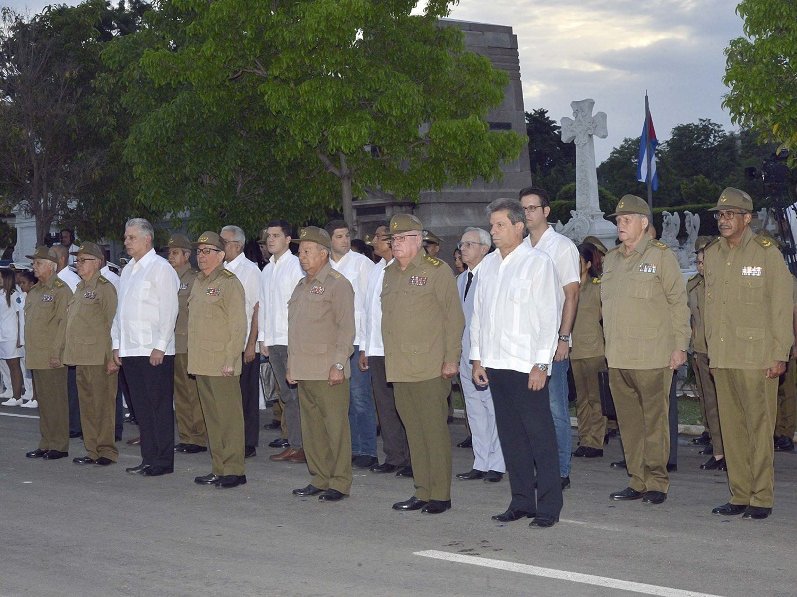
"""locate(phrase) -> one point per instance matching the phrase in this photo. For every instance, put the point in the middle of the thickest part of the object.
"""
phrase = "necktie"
(467, 286)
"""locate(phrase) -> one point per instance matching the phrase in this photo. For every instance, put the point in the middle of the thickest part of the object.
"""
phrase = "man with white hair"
(248, 274)
(143, 344)
(488, 460)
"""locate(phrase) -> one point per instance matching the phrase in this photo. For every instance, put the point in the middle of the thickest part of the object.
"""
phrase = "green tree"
(552, 162)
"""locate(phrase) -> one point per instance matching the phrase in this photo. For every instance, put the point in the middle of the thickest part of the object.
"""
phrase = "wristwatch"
(541, 366)
(564, 338)
(338, 366)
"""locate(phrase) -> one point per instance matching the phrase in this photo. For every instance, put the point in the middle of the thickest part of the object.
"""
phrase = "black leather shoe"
(756, 513)
(712, 464)
(141, 469)
(103, 461)
(55, 455)
(37, 453)
(703, 440)
(157, 471)
(626, 494)
(671, 468)
(273, 425)
(84, 460)
(249, 452)
(784, 444)
(587, 452)
(654, 497)
(404, 471)
(565, 482)
(209, 479)
(542, 522)
(180, 447)
(618, 464)
(75, 434)
(512, 515)
(471, 475)
(309, 490)
(707, 450)
(331, 495)
(193, 449)
(436, 506)
(466, 443)
(383, 468)
(729, 509)
(411, 504)
(279, 443)
(230, 481)
(493, 476)
(364, 461)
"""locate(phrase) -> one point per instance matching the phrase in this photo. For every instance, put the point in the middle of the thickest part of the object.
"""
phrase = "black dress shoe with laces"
(729, 509)
(230, 481)
(712, 464)
(493, 476)
(383, 468)
(512, 515)
(619, 464)
(411, 504)
(703, 439)
(193, 449)
(471, 475)
(104, 461)
(626, 495)
(587, 452)
(309, 490)
(654, 497)
(756, 513)
(279, 443)
(331, 495)
(55, 455)
(84, 460)
(209, 479)
(404, 471)
(37, 453)
(436, 507)
(157, 471)
(543, 522)
(179, 447)
(141, 469)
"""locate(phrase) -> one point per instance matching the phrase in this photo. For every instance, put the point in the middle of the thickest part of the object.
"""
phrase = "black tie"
(467, 286)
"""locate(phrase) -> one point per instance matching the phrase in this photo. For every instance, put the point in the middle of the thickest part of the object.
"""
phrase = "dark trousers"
(528, 441)
(74, 403)
(151, 391)
(250, 400)
(394, 438)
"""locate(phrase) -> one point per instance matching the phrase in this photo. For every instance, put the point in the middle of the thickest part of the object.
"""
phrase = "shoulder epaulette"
(58, 284)
(103, 280)
(711, 243)
(658, 244)
(433, 260)
(764, 241)
(335, 274)
(228, 273)
(596, 280)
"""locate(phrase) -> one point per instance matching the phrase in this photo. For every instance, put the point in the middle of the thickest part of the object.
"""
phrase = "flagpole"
(648, 154)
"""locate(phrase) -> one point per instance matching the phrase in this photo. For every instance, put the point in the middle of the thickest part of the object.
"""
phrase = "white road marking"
(18, 416)
(587, 579)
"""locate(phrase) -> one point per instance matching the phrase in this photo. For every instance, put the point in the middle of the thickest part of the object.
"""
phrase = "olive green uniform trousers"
(220, 398)
(187, 410)
(787, 402)
(53, 408)
(591, 422)
(97, 395)
(708, 399)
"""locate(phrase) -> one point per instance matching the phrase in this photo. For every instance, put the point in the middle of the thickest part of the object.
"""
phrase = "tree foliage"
(552, 162)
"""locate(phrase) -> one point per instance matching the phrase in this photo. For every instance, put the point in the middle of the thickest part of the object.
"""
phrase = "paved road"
(69, 530)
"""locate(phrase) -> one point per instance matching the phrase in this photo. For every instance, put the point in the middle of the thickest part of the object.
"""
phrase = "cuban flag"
(647, 147)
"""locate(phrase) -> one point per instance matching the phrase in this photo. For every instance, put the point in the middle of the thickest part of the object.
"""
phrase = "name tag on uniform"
(749, 270)
(183, 286)
(418, 280)
(647, 268)
(213, 291)
(90, 294)
(317, 290)
(47, 298)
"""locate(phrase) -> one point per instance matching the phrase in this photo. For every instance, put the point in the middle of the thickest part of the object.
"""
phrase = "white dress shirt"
(564, 254)
(371, 336)
(277, 283)
(111, 276)
(147, 307)
(356, 267)
(248, 274)
(514, 322)
(70, 278)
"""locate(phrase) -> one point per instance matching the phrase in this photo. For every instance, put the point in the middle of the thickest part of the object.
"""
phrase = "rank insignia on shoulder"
(764, 241)
(58, 284)
(648, 268)
(433, 260)
(418, 280)
(754, 271)
(47, 298)
(317, 290)
(103, 280)
(213, 291)
(335, 274)
(183, 286)
(90, 294)
(658, 244)
(228, 273)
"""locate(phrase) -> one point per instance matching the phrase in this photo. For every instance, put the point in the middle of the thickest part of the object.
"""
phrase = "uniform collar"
(215, 273)
(91, 282)
(321, 276)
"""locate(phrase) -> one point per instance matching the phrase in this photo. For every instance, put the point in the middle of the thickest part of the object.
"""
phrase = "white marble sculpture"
(671, 226)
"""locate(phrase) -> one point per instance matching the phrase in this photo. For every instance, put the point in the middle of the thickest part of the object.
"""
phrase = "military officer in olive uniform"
(422, 324)
(187, 410)
(320, 342)
(88, 329)
(786, 419)
(749, 335)
(646, 326)
(45, 328)
(216, 330)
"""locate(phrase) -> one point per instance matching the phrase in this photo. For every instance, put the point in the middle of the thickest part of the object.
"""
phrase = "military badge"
(90, 294)
(647, 268)
(47, 298)
(418, 280)
(183, 286)
(317, 290)
(213, 291)
(754, 271)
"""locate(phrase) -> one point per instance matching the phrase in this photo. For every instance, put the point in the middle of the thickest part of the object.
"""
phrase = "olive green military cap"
(210, 238)
(701, 242)
(91, 249)
(734, 198)
(314, 234)
(44, 253)
(596, 242)
(401, 223)
(631, 204)
(431, 237)
(179, 241)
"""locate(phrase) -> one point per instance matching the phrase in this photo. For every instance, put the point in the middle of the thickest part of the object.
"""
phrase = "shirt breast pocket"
(641, 285)
(751, 290)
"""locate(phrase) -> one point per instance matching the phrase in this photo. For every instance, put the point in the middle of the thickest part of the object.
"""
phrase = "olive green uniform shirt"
(216, 323)
(88, 323)
(696, 292)
(587, 330)
(320, 325)
(187, 275)
(749, 304)
(45, 322)
(645, 315)
(422, 319)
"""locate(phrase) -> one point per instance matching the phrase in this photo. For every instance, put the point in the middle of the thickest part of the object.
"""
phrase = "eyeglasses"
(467, 244)
(727, 214)
(83, 260)
(530, 209)
(207, 251)
(400, 238)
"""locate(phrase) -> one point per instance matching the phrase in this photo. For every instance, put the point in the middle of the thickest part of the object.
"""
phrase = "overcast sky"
(611, 51)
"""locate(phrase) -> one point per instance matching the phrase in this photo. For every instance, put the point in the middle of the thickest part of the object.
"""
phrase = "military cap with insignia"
(431, 237)
(733, 198)
(179, 241)
(314, 234)
(44, 253)
(596, 242)
(91, 249)
(210, 238)
(702, 242)
(631, 204)
(401, 223)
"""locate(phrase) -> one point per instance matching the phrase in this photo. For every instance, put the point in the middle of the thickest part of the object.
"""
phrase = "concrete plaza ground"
(76, 530)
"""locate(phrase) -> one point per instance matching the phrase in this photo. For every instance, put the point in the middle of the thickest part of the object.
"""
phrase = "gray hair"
(514, 211)
(484, 236)
(142, 225)
(238, 233)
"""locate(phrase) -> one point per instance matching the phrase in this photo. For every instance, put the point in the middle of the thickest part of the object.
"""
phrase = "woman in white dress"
(10, 346)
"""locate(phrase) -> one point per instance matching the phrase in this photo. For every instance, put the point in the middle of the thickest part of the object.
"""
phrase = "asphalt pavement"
(88, 530)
